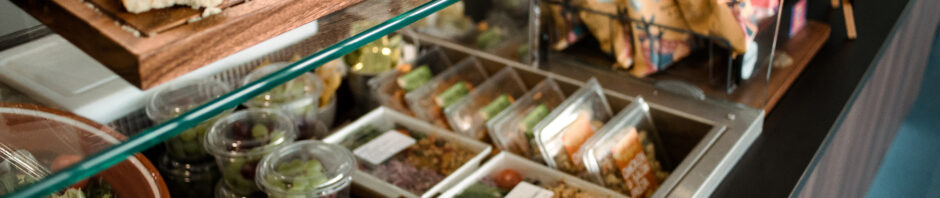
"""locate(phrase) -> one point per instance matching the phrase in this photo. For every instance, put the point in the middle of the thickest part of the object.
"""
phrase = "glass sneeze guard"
(395, 14)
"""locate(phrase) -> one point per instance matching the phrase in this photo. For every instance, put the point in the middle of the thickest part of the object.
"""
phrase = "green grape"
(259, 131)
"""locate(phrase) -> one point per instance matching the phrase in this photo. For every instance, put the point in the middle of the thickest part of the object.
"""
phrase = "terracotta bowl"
(49, 134)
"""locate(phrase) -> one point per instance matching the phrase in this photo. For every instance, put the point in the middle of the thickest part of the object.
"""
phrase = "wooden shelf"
(758, 92)
(166, 44)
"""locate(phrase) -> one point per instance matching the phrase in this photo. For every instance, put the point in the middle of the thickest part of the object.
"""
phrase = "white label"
(384, 146)
(527, 190)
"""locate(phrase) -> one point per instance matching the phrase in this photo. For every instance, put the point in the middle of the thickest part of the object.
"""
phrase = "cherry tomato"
(507, 179)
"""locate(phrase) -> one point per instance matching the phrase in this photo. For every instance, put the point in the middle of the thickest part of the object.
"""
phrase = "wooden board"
(177, 47)
(758, 92)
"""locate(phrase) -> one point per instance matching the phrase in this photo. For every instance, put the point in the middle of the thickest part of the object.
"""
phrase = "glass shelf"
(339, 33)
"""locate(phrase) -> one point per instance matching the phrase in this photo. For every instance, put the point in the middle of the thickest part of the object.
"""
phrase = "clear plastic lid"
(561, 135)
(386, 87)
(513, 129)
(468, 116)
(424, 101)
(301, 92)
(307, 169)
(622, 156)
(250, 132)
(178, 98)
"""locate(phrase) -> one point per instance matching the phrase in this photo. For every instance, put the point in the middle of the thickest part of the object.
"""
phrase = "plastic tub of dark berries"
(623, 154)
(513, 129)
(429, 101)
(307, 168)
(240, 140)
(509, 175)
(561, 135)
(469, 116)
(400, 156)
(389, 88)
(298, 98)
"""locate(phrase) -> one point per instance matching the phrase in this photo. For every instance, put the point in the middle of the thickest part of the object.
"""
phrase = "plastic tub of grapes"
(37, 141)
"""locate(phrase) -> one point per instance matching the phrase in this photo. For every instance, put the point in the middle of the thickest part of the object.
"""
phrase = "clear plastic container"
(298, 98)
(178, 98)
(189, 180)
(433, 162)
(513, 129)
(424, 101)
(622, 156)
(563, 132)
(530, 172)
(239, 141)
(386, 87)
(307, 169)
(468, 116)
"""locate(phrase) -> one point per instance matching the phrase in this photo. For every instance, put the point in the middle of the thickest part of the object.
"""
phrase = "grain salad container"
(531, 172)
(400, 156)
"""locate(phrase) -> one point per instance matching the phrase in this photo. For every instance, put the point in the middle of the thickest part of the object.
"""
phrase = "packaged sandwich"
(622, 156)
(563, 133)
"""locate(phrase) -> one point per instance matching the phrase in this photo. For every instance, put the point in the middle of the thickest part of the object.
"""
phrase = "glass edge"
(159, 133)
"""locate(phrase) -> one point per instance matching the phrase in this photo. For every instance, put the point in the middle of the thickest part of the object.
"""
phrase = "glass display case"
(702, 95)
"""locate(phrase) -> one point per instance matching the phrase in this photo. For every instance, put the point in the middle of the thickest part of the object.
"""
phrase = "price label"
(527, 190)
(381, 148)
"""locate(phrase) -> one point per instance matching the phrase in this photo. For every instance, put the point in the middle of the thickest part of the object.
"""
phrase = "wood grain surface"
(156, 58)
(154, 21)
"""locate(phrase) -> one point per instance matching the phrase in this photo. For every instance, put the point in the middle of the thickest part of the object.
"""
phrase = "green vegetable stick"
(415, 78)
(496, 106)
(452, 94)
(533, 118)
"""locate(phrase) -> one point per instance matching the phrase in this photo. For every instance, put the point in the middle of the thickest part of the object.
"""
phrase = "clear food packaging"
(332, 74)
(387, 89)
(239, 141)
(563, 132)
(400, 156)
(307, 168)
(429, 101)
(622, 156)
(178, 98)
(298, 98)
(493, 175)
(468, 116)
(513, 129)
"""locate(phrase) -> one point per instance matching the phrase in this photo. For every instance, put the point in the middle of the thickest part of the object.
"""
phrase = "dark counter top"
(806, 114)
